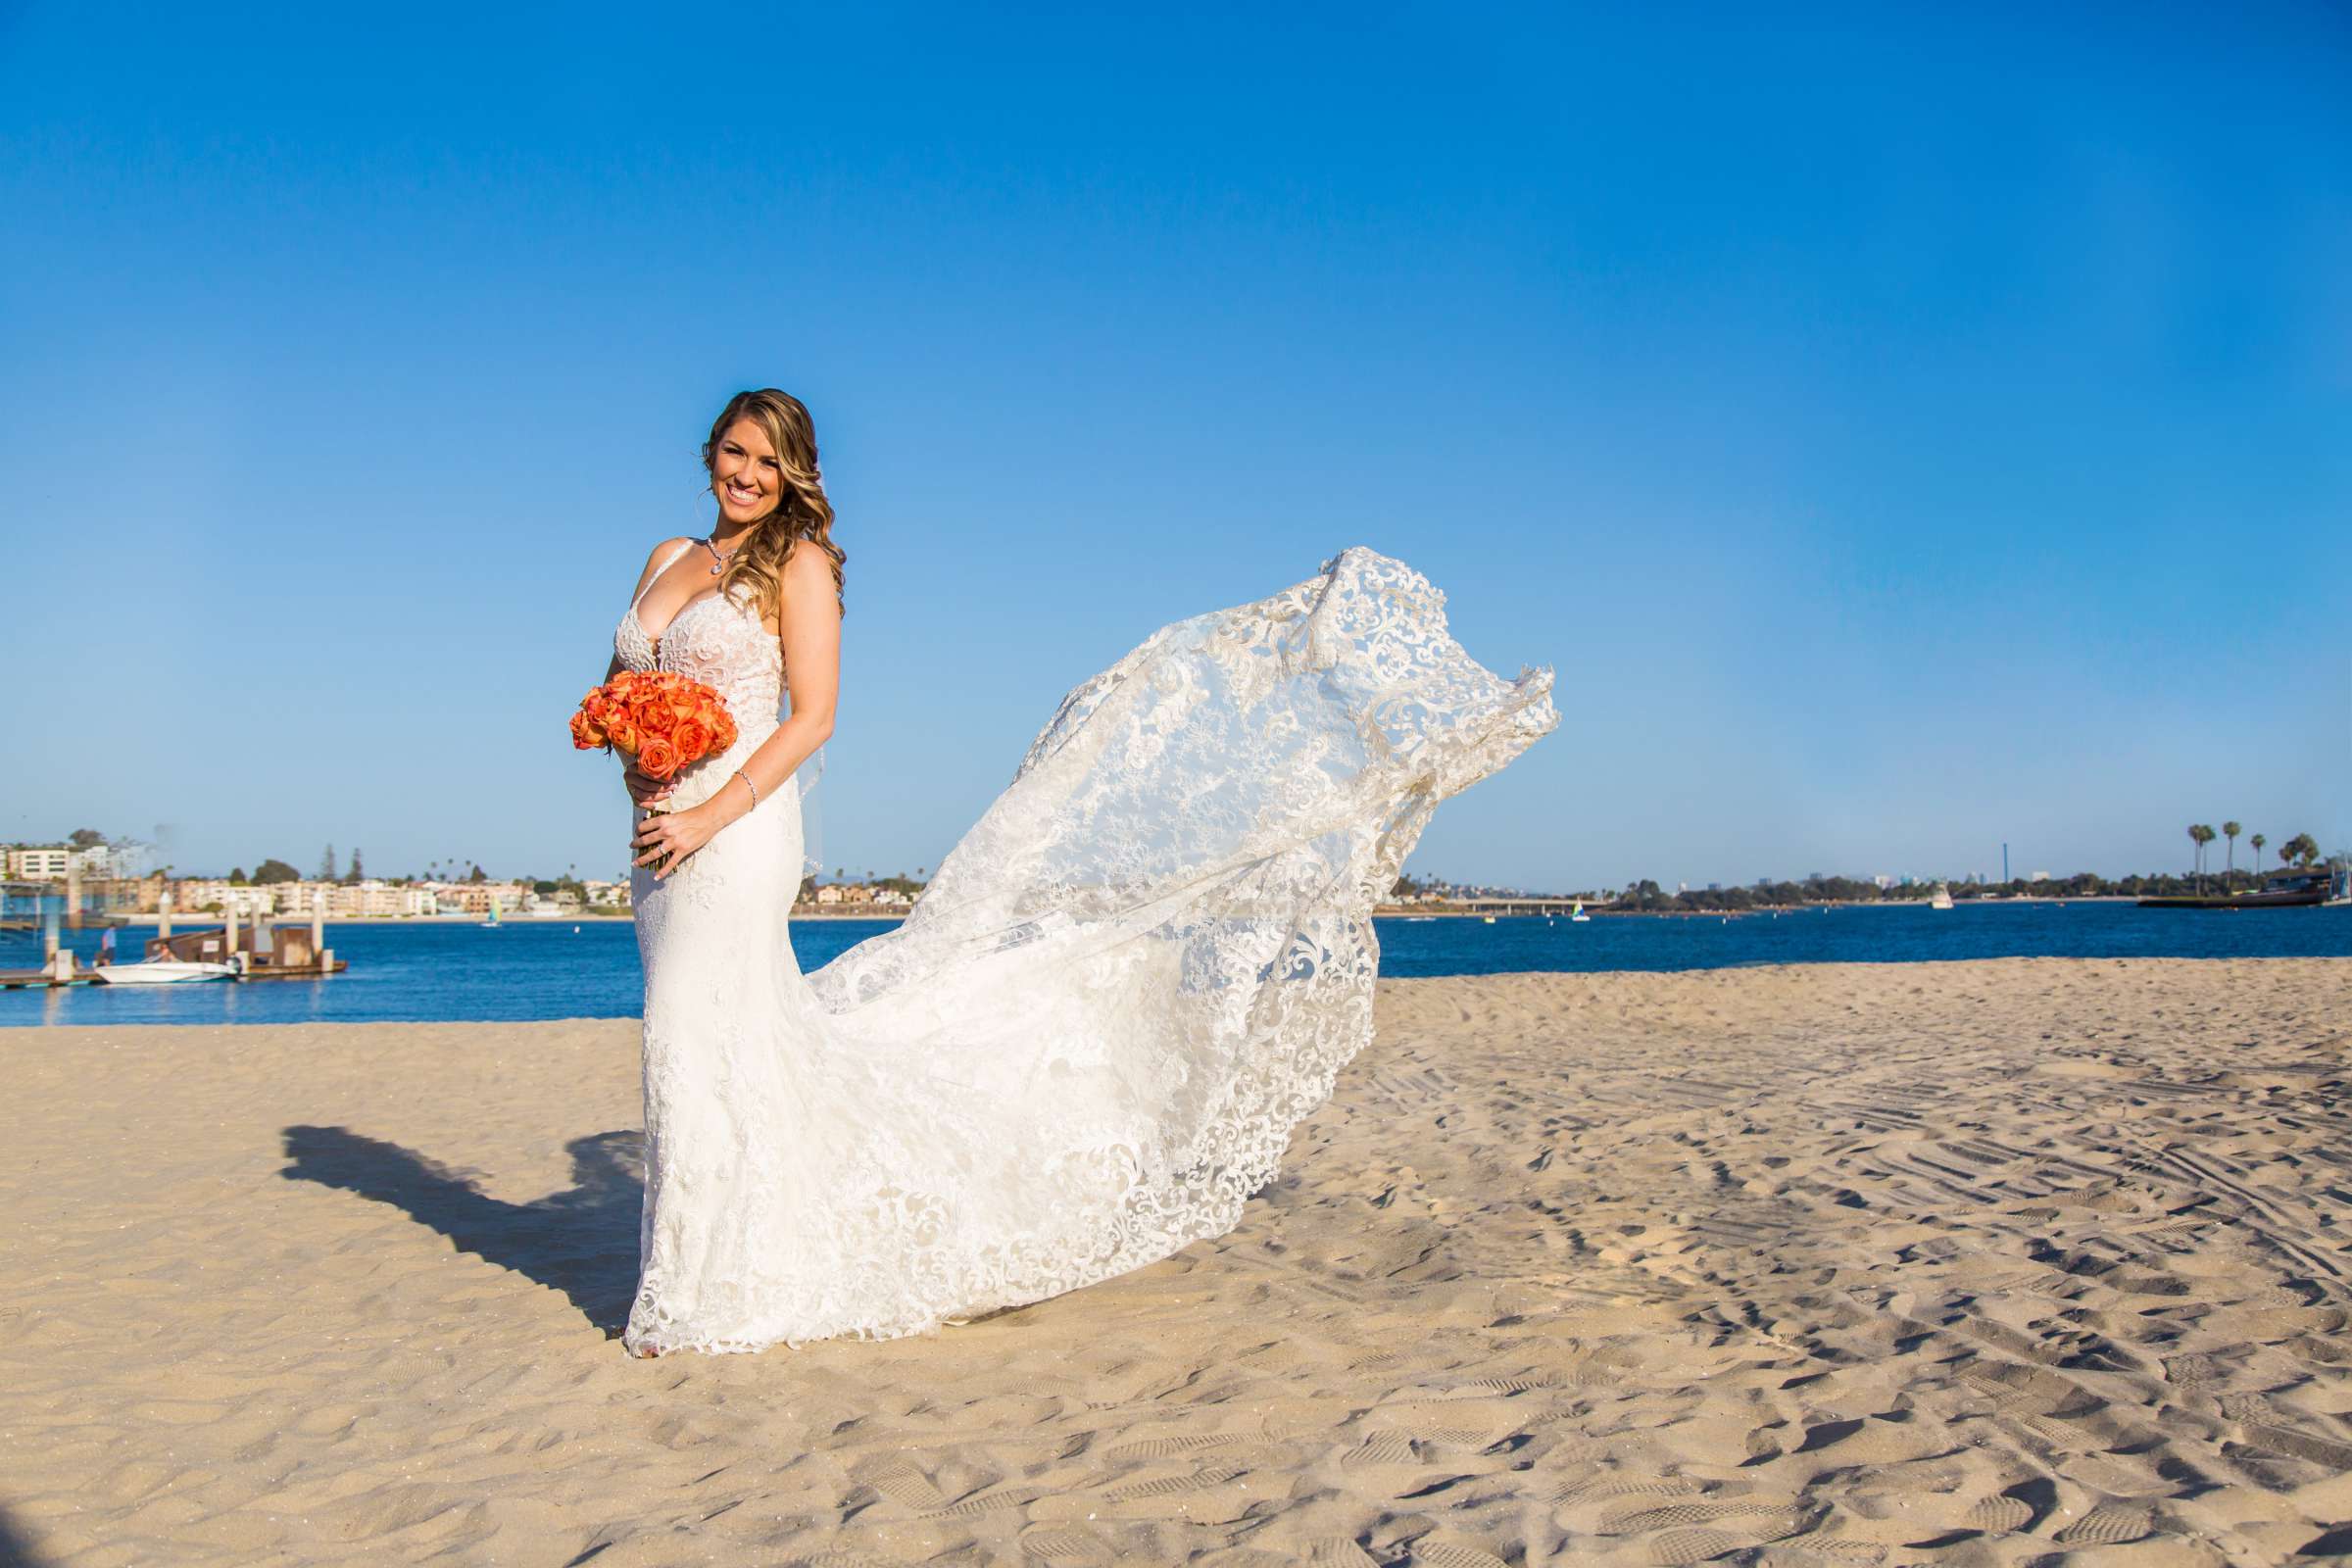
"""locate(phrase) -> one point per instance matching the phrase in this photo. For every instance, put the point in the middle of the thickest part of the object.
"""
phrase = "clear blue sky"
(1902, 435)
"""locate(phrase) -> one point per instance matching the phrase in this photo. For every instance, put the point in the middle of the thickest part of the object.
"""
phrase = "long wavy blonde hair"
(801, 514)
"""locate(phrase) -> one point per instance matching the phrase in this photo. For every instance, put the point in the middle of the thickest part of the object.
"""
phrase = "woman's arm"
(812, 641)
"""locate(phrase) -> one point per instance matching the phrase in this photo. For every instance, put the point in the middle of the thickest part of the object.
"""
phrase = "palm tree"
(2201, 835)
(2258, 841)
(2230, 831)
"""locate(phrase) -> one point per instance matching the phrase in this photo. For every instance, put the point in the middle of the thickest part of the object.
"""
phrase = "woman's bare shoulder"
(659, 554)
(809, 581)
(807, 560)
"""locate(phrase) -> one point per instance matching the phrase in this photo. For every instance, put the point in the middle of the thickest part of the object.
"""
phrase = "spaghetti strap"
(667, 561)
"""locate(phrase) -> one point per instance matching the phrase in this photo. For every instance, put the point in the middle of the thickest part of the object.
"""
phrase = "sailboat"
(491, 924)
(1578, 916)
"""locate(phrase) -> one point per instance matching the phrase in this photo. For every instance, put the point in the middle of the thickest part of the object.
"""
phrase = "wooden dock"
(20, 979)
(291, 952)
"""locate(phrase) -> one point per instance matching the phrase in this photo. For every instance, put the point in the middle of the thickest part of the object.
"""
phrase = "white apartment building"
(377, 898)
(297, 897)
(366, 900)
(473, 898)
(50, 862)
(191, 894)
(369, 898)
(45, 863)
(358, 901)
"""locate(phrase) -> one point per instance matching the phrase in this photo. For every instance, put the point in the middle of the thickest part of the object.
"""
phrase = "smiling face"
(745, 473)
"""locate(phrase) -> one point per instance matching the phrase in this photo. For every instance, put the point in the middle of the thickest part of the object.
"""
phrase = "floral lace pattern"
(1090, 1043)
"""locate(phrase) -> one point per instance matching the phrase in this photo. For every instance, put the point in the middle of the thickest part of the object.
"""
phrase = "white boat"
(160, 972)
(1578, 916)
(1941, 899)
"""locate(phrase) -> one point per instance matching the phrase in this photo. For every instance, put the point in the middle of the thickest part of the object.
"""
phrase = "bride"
(1090, 1042)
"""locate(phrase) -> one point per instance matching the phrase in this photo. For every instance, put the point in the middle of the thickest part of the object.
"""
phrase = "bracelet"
(749, 785)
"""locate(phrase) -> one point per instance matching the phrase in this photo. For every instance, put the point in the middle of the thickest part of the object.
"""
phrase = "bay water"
(435, 970)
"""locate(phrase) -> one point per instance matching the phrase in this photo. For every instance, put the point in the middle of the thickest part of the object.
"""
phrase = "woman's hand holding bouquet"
(662, 723)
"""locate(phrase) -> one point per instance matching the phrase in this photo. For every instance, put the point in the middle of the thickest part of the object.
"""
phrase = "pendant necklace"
(718, 561)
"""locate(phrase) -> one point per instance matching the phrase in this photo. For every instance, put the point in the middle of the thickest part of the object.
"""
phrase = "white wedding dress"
(1090, 1042)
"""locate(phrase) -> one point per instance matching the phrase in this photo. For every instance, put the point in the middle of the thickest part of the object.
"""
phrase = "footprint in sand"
(1175, 1485)
(1999, 1516)
(1642, 1516)
(991, 1504)
(1383, 1449)
(902, 1483)
(2017, 1508)
(1063, 1546)
(1453, 1554)
(1169, 1447)
(2107, 1525)
(1678, 1547)
(1604, 1487)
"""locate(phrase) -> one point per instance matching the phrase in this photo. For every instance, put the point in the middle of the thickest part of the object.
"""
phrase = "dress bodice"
(718, 639)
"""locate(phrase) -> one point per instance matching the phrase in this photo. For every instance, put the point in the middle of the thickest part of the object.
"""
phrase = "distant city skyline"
(1903, 433)
(2265, 860)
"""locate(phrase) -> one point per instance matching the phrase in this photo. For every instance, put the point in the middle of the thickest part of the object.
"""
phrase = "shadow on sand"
(16, 1552)
(582, 1242)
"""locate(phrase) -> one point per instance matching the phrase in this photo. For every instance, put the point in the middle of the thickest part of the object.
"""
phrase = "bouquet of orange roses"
(660, 720)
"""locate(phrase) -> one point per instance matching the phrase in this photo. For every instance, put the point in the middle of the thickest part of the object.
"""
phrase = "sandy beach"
(2022, 1262)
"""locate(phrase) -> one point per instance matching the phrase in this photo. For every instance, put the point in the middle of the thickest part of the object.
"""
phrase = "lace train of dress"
(1090, 1042)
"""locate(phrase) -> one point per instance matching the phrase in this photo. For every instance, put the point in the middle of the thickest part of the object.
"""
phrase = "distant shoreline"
(1380, 912)
(1409, 912)
(186, 920)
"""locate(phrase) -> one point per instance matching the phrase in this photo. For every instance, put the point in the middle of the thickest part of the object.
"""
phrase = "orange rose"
(585, 732)
(657, 758)
(722, 731)
(655, 717)
(691, 738)
(622, 732)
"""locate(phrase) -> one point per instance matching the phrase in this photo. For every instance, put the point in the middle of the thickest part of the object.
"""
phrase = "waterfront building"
(38, 862)
(473, 898)
(372, 899)
(192, 896)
